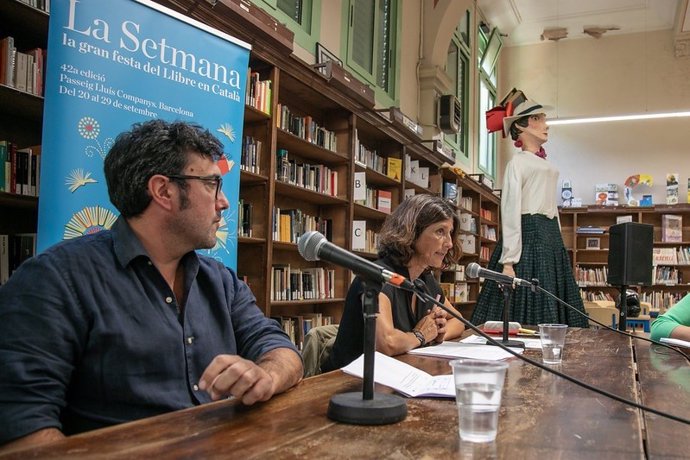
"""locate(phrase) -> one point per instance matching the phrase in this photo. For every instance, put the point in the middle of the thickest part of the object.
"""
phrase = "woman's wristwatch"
(417, 333)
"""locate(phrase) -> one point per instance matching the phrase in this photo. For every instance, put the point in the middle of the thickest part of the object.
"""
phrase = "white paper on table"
(404, 378)
(472, 350)
(670, 341)
(534, 344)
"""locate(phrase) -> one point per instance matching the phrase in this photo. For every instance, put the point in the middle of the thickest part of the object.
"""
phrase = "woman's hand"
(441, 319)
(508, 270)
(428, 327)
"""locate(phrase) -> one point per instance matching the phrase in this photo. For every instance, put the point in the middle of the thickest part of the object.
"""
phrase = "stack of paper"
(404, 378)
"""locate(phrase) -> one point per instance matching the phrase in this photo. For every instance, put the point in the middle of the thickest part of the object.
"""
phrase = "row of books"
(19, 169)
(318, 178)
(458, 272)
(374, 198)
(468, 243)
(294, 283)
(22, 70)
(595, 295)
(15, 249)
(455, 292)
(671, 256)
(305, 128)
(589, 276)
(484, 252)
(298, 326)
(415, 173)
(667, 275)
(363, 239)
(489, 232)
(251, 155)
(290, 224)
(466, 203)
(468, 223)
(661, 301)
(487, 214)
(244, 219)
(258, 94)
(591, 230)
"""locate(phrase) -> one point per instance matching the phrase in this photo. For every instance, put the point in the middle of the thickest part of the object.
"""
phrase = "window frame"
(486, 160)
(460, 141)
(306, 38)
(389, 97)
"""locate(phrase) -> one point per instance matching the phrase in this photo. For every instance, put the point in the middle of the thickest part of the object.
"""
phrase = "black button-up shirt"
(91, 334)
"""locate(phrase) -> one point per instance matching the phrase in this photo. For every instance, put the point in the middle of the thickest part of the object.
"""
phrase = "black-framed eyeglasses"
(212, 178)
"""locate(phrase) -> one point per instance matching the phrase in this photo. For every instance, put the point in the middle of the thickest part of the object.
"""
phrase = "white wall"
(614, 75)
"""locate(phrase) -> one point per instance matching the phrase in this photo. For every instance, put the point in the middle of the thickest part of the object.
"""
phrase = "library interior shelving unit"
(301, 140)
(585, 234)
(21, 117)
(479, 208)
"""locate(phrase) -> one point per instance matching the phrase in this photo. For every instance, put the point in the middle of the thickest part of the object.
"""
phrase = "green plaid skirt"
(544, 258)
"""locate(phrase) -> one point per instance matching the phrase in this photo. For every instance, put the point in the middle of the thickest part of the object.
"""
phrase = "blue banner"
(114, 63)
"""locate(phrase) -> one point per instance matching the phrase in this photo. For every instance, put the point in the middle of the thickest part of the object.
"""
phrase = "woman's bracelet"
(417, 333)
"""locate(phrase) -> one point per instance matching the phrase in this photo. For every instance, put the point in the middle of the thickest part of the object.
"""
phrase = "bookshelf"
(21, 119)
(479, 209)
(585, 234)
(286, 286)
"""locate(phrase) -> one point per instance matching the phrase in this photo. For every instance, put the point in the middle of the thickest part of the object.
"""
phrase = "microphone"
(474, 270)
(314, 246)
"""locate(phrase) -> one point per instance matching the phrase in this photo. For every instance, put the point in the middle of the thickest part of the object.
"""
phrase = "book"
(394, 170)
(4, 259)
(450, 191)
(672, 188)
(385, 201)
(671, 228)
(360, 187)
(403, 378)
(359, 232)
(423, 177)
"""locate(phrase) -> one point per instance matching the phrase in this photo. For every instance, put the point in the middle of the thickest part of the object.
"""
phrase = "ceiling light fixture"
(642, 116)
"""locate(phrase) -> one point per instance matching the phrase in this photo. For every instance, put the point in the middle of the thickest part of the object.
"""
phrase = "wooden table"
(542, 416)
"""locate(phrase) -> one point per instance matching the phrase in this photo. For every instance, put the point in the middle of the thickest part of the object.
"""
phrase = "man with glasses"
(131, 322)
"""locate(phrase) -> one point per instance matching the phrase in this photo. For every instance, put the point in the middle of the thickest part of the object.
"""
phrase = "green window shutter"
(363, 34)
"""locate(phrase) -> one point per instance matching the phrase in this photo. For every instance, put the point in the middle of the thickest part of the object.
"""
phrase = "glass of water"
(478, 386)
(552, 342)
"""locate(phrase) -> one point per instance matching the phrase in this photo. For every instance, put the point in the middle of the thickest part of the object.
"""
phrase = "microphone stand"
(623, 308)
(507, 289)
(368, 408)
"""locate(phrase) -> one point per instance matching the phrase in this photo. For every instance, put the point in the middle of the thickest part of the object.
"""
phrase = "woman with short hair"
(419, 236)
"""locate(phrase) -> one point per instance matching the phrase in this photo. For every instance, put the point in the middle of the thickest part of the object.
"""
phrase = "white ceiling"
(523, 21)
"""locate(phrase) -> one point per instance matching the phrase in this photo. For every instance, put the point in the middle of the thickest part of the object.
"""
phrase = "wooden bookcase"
(479, 208)
(263, 187)
(589, 251)
(21, 117)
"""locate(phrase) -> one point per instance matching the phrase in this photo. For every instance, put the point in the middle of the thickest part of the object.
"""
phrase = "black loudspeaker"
(630, 254)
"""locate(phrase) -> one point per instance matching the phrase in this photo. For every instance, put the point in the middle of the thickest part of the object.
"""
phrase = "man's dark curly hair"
(149, 148)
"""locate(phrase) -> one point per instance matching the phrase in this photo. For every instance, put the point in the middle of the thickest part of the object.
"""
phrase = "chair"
(317, 347)
(603, 313)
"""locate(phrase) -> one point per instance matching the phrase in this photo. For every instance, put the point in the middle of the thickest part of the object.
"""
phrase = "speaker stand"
(368, 408)
(623, 309)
